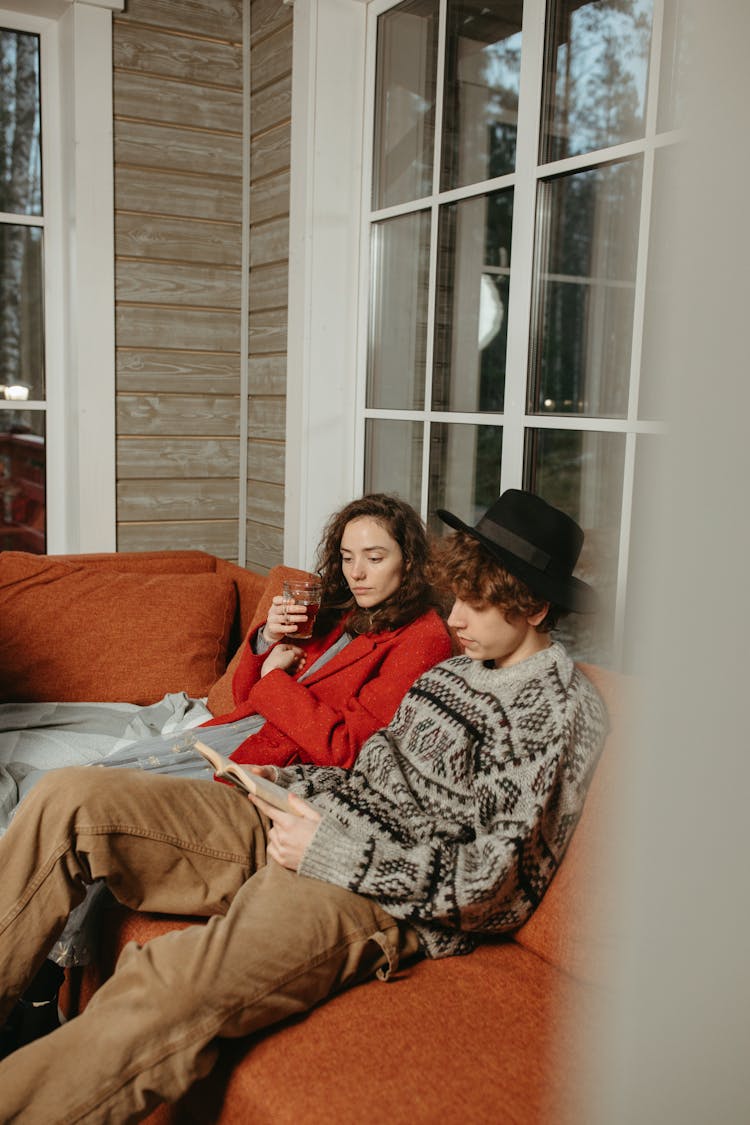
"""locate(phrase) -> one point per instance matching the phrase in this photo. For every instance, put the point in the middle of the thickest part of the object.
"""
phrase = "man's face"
(484, 633)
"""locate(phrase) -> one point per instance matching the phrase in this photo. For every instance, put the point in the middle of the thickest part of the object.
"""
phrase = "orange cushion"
(220, 698)
(76, 632)
(483, 1038)
(480, 1039)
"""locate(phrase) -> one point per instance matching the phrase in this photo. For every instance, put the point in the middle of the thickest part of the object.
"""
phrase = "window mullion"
(522, 254)
(432, 280)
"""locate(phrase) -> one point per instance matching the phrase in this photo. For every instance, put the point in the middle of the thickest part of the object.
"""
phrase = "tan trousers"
(275, 945)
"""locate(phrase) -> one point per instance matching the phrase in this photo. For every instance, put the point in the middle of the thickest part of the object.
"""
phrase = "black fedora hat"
(535, 542)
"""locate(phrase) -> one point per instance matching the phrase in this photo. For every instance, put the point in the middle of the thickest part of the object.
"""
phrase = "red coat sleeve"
(331, 732)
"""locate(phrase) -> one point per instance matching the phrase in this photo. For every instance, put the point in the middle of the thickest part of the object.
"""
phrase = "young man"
(449, 826)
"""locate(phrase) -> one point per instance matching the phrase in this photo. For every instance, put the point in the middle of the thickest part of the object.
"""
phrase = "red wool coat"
(325, 720)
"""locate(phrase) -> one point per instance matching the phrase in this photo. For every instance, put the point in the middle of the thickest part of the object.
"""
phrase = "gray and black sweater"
(457, 814)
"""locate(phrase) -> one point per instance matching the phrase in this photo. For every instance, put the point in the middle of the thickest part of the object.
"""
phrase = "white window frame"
(79, 319)
(331, 174)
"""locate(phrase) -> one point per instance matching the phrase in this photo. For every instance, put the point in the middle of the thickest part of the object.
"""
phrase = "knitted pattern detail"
(456, 816)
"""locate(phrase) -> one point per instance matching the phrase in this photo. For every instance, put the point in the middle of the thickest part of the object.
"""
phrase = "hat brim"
(568, 592)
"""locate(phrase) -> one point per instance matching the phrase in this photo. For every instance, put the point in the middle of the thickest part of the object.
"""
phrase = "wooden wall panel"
(270, 153)
(179, 183)
(177, 414)
(165, 369)
(177, 500)
(218, 537)
(162, 192)
(177, 239)
(176, 458)
(164, 148)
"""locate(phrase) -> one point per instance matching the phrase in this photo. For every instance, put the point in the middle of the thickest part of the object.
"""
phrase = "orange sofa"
(496, 1037)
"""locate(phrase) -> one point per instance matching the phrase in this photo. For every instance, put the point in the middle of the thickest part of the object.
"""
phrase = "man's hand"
(291, 834)
(288, 658)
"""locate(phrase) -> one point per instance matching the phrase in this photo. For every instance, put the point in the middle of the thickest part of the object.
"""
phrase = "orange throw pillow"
(81, 633)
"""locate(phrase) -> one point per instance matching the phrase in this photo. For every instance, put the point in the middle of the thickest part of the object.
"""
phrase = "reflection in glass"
(675, 64)
(21, 334)
(582, 473)
(471, 323)
(393, 458)
(587, 243)
(596, 74)
(483, 64)
(405, 102)
(398, 312)
(464, 470)
(660, 328)
(20, 124)
(22, 481)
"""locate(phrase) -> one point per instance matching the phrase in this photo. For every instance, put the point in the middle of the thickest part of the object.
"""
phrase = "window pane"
(21, 313)
(587, 243)
(472, 303)
(393, 458)
(582, 473)
(483, 64)
(20, 128)
(659, 327)
(596, 73)
(675, 64)
(464, 470)
(22, 481)
(405, 103)
(398, 318)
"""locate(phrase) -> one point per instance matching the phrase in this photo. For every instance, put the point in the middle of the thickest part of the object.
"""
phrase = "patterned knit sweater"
(457, 814)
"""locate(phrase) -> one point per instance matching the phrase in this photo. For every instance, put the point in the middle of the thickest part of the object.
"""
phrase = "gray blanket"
(36, 737)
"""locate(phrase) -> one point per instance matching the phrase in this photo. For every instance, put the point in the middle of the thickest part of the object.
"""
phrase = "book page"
(268, 791)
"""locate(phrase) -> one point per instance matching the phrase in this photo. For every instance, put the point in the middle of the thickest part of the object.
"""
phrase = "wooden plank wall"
(178, 120)
(270, 132)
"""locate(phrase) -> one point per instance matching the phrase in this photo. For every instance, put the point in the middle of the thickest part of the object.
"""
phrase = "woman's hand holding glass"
(284, 617)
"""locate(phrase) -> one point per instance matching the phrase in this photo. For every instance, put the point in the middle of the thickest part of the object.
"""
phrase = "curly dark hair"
(413, 596)
(462, 566)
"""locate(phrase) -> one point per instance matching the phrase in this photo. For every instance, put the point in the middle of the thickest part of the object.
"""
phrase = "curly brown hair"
(413, 596)
(460, 565)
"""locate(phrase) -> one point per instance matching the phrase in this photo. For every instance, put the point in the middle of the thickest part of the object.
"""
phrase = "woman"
(317, 701)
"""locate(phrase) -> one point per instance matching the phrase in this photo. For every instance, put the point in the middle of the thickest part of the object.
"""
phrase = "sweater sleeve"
(489, 881)
(333, 736)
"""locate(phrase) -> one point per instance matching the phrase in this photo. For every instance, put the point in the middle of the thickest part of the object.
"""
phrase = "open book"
(248, 782)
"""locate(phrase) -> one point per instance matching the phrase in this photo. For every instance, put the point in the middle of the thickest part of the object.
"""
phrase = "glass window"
(582, 473)
(21, 291)
(22, 377)
(596, 73)
(471, 320)
(393, 458)
(405, 105)
(398, 338)
(675, 63)
(20, 124)
(659, 307)
(587, 249)
(473, 353)
(483, 69)
(465, 465)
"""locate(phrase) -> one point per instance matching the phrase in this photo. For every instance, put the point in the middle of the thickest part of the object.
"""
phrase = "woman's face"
(371, 561)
